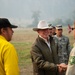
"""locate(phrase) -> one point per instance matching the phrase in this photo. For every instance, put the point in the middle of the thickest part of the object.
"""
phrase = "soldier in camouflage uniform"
(71, 64)
(63, 46)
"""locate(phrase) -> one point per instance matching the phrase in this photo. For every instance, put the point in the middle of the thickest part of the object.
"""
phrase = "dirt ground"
(27, 71)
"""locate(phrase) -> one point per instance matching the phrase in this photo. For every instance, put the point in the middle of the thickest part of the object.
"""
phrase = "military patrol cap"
(58, 26)
(50, 26)
(54, 27)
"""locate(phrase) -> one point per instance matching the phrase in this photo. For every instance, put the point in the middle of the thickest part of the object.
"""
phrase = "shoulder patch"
(72, 60)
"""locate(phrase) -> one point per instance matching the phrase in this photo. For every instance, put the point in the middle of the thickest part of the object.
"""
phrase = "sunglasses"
(59, 29)
(73, 28)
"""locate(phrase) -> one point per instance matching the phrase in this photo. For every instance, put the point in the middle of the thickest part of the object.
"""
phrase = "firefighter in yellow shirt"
(8, 55)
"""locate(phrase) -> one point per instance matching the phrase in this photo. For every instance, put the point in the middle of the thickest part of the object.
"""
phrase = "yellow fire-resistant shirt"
(8, 58)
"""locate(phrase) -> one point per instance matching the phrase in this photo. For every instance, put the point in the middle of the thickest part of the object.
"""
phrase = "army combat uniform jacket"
(63, 48)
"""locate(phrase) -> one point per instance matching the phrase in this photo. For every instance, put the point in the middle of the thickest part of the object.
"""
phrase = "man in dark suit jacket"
(43, 53)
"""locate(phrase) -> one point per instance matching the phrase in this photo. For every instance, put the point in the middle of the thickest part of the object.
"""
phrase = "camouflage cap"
(50, 26)
(58, 26)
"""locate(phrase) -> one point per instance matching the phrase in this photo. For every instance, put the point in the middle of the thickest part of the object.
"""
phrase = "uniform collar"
(2, 37)
(59, 37)
(44, 39)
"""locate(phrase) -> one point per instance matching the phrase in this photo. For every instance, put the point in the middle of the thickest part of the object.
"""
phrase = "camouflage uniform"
(63, 48)
(71, 64)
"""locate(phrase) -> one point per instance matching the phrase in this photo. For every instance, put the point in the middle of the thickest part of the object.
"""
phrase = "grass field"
(22, 40)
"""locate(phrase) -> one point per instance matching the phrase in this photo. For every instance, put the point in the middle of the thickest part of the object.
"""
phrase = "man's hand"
(62, 67)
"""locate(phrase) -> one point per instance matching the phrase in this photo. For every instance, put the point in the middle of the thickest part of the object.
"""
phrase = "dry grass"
(22, 40)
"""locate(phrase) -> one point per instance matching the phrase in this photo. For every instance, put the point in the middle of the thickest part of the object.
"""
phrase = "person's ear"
(3, 31)
(37, 31)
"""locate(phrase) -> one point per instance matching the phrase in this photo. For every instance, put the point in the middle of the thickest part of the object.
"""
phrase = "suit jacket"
(44, 61)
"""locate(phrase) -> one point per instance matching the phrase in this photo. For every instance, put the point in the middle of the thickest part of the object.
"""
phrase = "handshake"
(62, 67)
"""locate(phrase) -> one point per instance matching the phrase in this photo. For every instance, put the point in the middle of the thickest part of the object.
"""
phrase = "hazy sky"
(50, 9)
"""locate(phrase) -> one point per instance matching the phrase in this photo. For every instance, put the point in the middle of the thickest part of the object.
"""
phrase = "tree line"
(36, 18)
